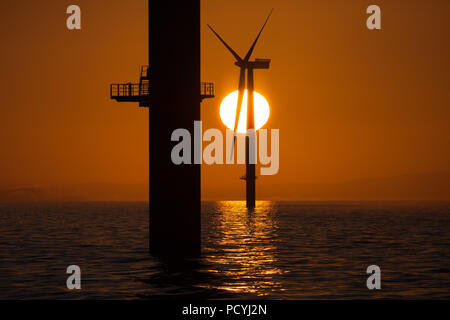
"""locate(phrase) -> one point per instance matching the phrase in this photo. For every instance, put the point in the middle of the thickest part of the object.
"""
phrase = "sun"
(228, 111)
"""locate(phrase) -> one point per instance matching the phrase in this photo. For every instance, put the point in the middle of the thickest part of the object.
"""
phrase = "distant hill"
(426, 186)
(80, 192)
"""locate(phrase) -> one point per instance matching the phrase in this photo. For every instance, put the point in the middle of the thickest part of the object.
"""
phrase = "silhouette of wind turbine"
(246, 64)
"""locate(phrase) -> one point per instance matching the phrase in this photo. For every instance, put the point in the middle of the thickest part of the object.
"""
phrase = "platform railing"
(123, 90)
(207, 89)
(127, 90)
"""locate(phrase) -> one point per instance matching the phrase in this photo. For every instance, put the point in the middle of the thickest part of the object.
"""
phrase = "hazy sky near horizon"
(350, 103)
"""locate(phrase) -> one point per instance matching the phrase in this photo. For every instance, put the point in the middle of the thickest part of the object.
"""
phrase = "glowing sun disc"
(228, 111)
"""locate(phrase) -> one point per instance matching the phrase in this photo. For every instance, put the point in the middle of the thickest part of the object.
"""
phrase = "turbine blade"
(238, 108)
(240, 97)
(232, 146)
(250, 51)
(236, 56)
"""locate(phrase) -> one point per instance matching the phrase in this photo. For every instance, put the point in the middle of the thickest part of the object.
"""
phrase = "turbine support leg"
(249, 177)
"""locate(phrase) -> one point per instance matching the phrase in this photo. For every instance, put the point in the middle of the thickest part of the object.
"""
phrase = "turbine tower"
(246, 65)
(170, 88)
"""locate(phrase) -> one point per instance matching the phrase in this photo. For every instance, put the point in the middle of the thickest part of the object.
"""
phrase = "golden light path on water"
(242, 247)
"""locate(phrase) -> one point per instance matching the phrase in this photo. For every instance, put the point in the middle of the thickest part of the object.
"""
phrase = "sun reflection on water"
(241, 246)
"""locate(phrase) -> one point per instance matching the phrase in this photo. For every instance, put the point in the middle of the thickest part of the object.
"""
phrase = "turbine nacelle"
(257, 64)
(262, 63)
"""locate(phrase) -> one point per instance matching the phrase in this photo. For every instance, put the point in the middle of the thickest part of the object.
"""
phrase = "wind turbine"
(249, 66)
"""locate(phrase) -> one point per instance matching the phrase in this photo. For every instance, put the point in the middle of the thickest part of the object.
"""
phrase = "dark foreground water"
(283, 250)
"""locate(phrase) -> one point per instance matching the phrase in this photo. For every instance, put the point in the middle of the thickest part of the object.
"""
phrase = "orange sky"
(350, 103)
